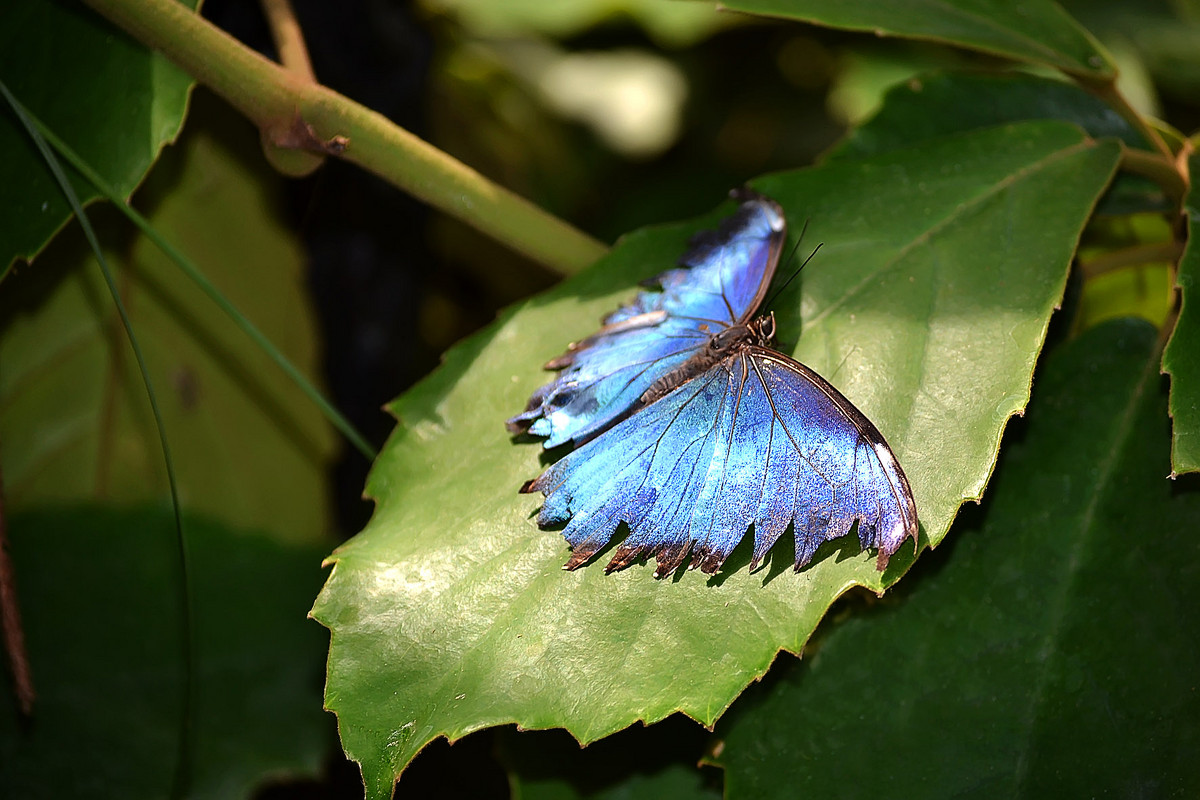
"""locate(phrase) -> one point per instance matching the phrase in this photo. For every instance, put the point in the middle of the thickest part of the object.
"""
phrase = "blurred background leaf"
(670, 24)
(74, 418)
(1163, 36)
(103, 619)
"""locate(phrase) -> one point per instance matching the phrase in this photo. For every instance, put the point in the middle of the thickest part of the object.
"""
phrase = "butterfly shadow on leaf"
(781, 557)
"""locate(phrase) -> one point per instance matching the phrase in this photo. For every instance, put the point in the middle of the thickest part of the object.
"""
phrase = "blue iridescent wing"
(724, 277)
(758, 439)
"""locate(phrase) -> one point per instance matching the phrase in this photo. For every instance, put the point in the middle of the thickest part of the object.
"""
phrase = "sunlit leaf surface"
(943, 104)
(927, 307)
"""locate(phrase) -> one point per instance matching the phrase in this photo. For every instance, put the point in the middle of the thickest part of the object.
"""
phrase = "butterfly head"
(758, 332)
(764, 329)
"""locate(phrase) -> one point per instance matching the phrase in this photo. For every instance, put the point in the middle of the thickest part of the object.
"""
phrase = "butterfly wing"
(758, 439)
(724, 277)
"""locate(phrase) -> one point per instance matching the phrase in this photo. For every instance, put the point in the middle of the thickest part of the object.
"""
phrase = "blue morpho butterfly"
(692, 429)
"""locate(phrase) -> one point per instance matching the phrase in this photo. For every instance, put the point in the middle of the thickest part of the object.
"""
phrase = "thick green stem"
(294, 112)
(1160, 169)
(288, 38)
(1107, 91)
(1138, 255)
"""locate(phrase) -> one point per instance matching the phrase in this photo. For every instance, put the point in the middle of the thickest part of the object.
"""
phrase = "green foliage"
(93, 545)
(1036, 31)
(672, 23)
(73, 412)
(1043, 655)
(1182, 357)
(44, 47)
(1042, 638)
(104, 625)
(452, 568)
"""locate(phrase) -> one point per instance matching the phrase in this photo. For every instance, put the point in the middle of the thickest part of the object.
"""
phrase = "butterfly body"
(692, 430)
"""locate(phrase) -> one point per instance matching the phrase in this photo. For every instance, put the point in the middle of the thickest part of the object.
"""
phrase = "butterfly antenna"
(791, 255)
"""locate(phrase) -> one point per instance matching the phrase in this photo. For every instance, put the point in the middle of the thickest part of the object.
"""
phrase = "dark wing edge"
(901, 490)
(702, 245)
(712, 428)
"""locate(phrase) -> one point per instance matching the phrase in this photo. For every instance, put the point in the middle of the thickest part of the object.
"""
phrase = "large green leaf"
(1037, 31)
(74, 419)
(100, 592)
(112, 100)
(1049, 655)
(943, 104)
(927, 307)
(1182, 356)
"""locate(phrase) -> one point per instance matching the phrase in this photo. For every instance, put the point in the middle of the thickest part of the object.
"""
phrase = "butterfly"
(690, 429)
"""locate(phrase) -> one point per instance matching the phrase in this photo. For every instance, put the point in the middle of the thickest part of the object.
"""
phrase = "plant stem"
(294, 112)
(288, 38)
(1162, 170)
(1107, 91)
(1154, 252)
(293, 53)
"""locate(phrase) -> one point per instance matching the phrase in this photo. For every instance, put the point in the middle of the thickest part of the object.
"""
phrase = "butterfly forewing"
(603, 377)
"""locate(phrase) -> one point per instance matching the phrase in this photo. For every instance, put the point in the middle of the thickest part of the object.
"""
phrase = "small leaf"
(74, 417)
(112, 100)
(1045, 655)
(1182, 356)
(927, 308)
(1036, 31)
(101, 602)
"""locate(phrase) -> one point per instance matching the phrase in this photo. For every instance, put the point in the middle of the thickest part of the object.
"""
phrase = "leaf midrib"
(955, 215)
(1084, 534)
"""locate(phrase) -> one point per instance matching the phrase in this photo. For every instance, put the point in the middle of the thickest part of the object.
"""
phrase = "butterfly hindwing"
(844, 470)
(758, 439)
(726, 273)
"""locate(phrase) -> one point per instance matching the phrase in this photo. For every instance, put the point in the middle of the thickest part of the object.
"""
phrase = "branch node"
(298, 134)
